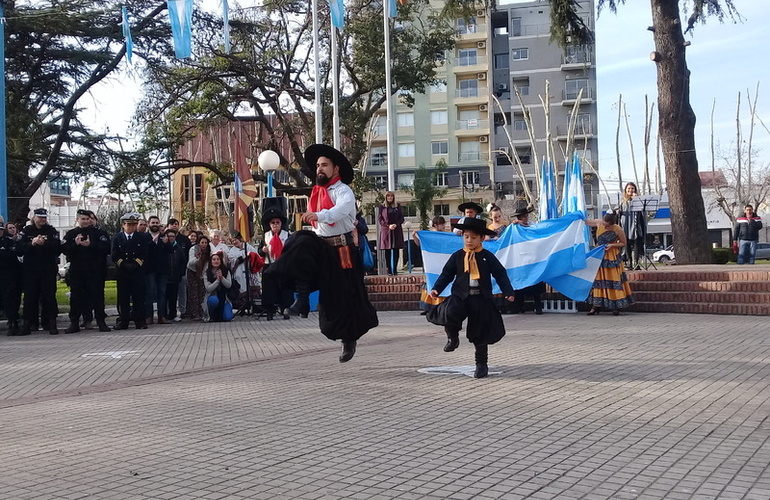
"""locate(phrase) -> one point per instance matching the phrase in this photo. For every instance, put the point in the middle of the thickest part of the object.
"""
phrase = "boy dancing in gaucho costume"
(326, 259)
(472, 268)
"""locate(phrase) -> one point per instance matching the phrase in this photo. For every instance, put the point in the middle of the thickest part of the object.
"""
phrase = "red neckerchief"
(320, 199)
(276, 245)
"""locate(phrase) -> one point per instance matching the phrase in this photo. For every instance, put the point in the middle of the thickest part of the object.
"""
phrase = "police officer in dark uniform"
(40, 246)
(129, 252)
(13, 278)
(86, 248)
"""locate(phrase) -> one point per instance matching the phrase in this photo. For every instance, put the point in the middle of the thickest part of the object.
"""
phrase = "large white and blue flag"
(547, 206)
(552, 251)
(226, 26)
(337, 10)
(180, 15)
(573, 196)
(127, 34)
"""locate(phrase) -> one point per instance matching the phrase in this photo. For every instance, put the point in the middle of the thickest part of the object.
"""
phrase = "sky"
(724, 59)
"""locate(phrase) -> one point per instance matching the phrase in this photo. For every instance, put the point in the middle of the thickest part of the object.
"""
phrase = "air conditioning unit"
(481, 45)
(483, 138)
(481, 13)
(502, 87)
(481, 76)
(483, 107)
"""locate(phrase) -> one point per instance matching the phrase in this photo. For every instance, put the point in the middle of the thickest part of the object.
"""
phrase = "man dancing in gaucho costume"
(326, 259)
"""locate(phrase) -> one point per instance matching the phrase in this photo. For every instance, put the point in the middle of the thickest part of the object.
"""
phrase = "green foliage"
(424, 191)
(722, 255)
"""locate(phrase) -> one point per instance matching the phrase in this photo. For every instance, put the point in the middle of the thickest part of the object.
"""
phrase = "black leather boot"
(453, 341)
(102, 325)
(73, 328)
(13, 329)
(481, 354)
(301, 306)
(348, 351)
(52, 329)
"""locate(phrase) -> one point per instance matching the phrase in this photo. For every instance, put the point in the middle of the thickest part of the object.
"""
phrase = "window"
(406, 150)
(519, 54)
(406, 180)
(380, 181)
(468, 88)
(439, 147)
(519, 124)
(583, 124)
(441, 209)
(439, 117)
(198, 187)
(410, 209)
(441, 179)
(501, 61)
(470, 151)
(379, 156)
(406, 119)
(470, 178)
(464, 27)
(522, 84)
(572, 88)
(438, 88)
(466, 57)
(525, 155)
(380, 126)
(516, 26)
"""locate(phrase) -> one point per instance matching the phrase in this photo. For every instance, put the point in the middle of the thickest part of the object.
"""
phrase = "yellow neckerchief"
(470, 262)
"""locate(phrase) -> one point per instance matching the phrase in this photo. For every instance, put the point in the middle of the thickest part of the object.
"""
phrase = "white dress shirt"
(342, 214)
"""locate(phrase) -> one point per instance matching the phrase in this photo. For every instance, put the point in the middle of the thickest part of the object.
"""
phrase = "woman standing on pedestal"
(391, 238)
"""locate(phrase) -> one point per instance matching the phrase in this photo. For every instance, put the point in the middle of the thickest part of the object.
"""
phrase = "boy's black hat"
(312, 153)
(473, 224)
(523, 211)
(470, 204)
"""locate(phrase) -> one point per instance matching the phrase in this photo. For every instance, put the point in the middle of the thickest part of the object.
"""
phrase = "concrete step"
(703, 308)
(695, 273)
(702, 286)
(708, 297)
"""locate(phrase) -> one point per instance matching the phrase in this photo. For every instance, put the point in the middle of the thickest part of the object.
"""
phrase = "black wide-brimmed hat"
(475, 225)
(271, 214)
(312, 153)
(470, 204)
(521, 211)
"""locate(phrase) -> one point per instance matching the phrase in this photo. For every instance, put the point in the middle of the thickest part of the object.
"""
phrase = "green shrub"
(722, 255)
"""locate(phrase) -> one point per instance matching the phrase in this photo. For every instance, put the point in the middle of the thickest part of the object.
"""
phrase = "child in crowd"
(472, 269)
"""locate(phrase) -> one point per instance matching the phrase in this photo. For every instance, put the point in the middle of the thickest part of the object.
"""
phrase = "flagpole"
(335, 89)
(3, 158)
(317, 65)
(391, 137)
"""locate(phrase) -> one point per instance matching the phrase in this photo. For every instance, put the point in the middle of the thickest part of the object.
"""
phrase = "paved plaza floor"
(647, 406)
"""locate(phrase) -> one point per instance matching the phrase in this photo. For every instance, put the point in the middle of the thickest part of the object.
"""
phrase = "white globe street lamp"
(269, 161)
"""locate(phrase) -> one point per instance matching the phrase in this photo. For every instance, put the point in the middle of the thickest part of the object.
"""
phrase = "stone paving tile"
(636, 406)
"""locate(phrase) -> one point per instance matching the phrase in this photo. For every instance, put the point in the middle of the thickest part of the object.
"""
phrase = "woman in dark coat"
(390, 218)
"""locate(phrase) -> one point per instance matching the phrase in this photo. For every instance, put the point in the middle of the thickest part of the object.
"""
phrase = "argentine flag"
(553, 251)
(180, 15)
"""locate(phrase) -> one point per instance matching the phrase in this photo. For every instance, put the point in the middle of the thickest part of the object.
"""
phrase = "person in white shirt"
(275, 236)
(327, 258)
(218, 245)
(238, 259)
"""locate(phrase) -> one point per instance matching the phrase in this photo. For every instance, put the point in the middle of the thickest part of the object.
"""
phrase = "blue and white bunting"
(337, 9)
(180, 15)
(547, 206)
(553, 251)
(127, 34)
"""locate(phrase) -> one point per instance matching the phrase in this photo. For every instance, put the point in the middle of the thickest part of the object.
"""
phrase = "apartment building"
(462, 123)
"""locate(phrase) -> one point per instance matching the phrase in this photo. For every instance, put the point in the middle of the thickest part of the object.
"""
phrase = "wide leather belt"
(339, 240)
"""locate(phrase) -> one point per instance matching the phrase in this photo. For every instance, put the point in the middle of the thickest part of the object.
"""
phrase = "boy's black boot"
(481, 361)
(301, 306)
(453, 341)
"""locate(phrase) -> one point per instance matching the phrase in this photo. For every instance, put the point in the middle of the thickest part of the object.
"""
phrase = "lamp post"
(269, 161)
(408, 226)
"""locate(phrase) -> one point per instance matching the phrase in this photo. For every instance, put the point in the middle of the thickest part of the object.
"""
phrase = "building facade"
(474, 124)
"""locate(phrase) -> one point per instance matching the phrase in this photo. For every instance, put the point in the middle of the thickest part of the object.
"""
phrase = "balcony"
(467, 128)
(470, 64)
(473, 157)
(576, 60)
(568, 97)
(582, 131)
(475, 31)
(478, 95)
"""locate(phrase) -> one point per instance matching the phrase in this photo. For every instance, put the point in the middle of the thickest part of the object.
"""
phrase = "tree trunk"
(676, 125)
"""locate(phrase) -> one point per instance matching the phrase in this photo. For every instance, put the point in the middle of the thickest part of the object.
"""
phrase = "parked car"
(763, 251)
(665, 255)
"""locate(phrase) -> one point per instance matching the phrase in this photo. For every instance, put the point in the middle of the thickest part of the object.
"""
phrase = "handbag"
(366, 255)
